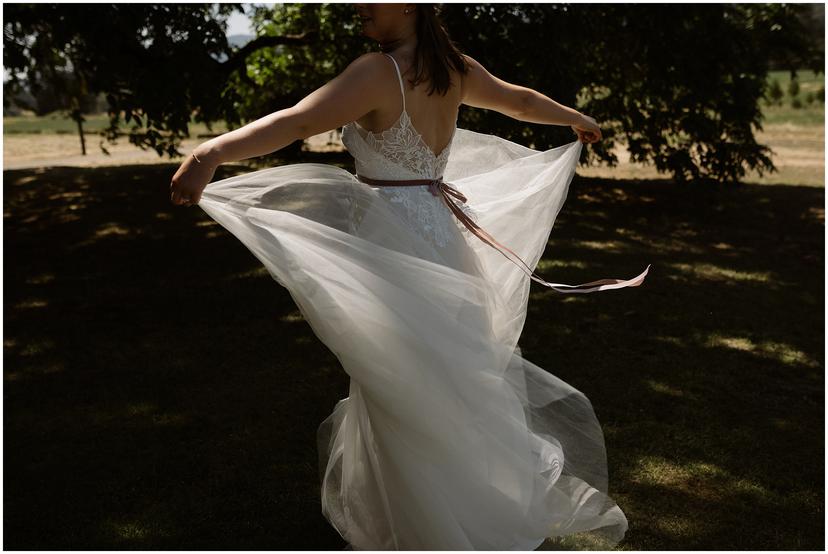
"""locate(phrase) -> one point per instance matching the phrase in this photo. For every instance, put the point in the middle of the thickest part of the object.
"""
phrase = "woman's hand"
(189, 181)
(587, 130)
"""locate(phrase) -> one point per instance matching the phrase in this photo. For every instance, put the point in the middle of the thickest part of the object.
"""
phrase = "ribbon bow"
(434, 187)
(438, 187)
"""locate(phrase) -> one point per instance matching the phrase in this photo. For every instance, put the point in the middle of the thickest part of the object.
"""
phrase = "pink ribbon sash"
(438, 187)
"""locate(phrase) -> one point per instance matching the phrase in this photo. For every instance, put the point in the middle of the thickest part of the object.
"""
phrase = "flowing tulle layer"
(449, 438)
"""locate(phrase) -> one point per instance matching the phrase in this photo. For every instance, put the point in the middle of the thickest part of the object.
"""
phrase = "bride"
(415, 272)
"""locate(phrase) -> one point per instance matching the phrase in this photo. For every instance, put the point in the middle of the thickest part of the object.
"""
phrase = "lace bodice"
(397, 153)
(404, 145)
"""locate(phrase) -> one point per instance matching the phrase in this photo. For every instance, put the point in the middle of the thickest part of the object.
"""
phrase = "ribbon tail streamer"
(593, 286)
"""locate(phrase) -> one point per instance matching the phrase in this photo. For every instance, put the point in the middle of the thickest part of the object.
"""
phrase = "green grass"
(162, 391)
(809, 114)
(809, 81)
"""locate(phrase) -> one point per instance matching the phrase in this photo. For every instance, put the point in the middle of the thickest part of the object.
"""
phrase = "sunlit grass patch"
(547, 264)
(718, 273)
(604, 246)
(295, 317)
(111, 228)
(256, 273)
(31, 303)
(664, 388)
(134, 531)
(783, 353)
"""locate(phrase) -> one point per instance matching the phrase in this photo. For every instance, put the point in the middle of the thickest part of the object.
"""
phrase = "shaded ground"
(162, 391)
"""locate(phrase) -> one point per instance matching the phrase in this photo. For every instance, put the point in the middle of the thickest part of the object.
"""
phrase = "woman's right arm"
(346, 97)
(481, 89)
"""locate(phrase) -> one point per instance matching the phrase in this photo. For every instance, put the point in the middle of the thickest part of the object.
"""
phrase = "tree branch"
(240, 56)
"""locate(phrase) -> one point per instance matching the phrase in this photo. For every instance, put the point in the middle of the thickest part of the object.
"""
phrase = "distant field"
(55, 123)
(809, 114)
(796, 137)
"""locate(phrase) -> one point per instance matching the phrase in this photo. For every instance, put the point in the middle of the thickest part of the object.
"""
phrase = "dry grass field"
(798, 151)
(795, 135)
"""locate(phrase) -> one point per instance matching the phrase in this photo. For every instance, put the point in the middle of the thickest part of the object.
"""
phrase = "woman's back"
(434, 116)
(395, 148)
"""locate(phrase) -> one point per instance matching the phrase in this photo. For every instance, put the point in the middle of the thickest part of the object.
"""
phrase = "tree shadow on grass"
(162, 391)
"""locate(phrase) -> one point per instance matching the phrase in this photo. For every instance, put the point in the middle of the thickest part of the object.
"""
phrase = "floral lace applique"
(402, 144)
(355, 214)
(434, 219)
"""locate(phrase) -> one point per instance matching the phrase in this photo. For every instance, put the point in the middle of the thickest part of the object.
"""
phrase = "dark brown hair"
(435, 51)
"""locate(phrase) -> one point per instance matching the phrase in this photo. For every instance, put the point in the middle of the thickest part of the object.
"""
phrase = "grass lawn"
(163, 392)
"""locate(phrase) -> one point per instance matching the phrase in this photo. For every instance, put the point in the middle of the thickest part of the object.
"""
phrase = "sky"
(239, 24)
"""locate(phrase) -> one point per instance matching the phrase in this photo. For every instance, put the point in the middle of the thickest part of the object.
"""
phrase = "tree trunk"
(82, 139)
(78, 117)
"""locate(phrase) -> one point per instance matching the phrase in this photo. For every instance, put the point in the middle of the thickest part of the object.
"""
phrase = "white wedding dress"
(449, 439)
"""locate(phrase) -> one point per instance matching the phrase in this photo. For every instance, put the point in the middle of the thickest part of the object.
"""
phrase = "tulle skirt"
(448, 439)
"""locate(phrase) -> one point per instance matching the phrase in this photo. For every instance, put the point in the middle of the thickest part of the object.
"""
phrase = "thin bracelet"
(194, 156)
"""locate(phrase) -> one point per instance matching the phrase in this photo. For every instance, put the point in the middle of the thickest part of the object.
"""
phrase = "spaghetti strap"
(402, 90)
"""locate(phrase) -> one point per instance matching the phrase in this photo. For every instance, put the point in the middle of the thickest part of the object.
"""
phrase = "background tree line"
(679, 84)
